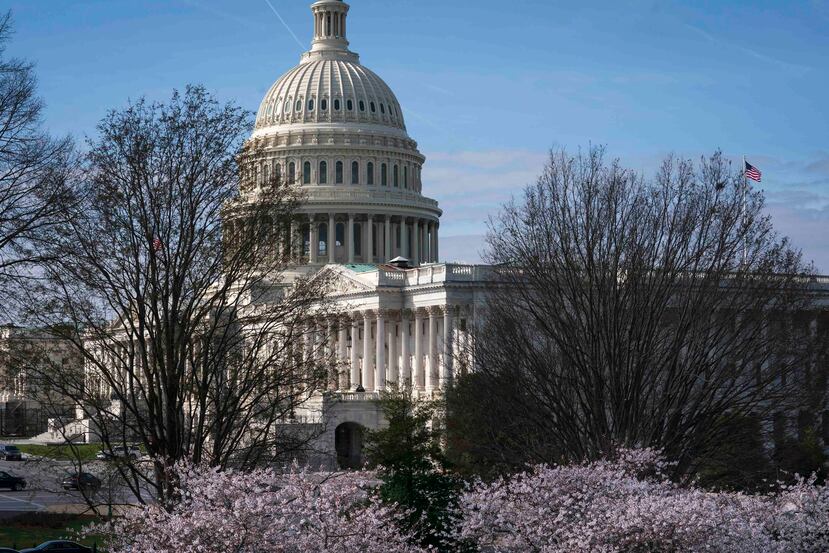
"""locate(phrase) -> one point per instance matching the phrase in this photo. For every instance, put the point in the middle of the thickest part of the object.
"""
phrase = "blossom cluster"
(261, 510)
(629, 505)
(622, 505)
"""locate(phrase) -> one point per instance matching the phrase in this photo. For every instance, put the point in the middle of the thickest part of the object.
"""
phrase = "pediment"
(344, 281)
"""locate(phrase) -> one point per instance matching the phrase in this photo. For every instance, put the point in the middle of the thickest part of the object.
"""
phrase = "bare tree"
(33, 173)
(171, 285)
(630, 312)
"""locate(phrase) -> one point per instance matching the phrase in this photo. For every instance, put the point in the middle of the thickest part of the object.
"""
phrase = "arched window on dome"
(311, 104)
(323, 172)
(298, 106)
(324, 104)
(396, 176)
(355, 172)
(266, 177)
(349, 104)
(336, 104)
(291, 172)
(373, 107)
(382, 108)
(339, 173)
(406, 176)
(306, 173)
(277, 172)
(370, 173)
(362, 105)
(278, 107)
(288, 105)
(384, 175)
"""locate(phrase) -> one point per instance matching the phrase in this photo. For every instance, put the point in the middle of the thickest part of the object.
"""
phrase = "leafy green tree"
(409, 460)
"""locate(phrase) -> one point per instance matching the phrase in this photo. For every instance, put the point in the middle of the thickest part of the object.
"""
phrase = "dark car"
(59, 545)
(14, 483)
(8, 550)
(81, 481)
(10, 453)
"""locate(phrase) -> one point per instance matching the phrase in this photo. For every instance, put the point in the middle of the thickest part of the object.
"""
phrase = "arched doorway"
(348, 442)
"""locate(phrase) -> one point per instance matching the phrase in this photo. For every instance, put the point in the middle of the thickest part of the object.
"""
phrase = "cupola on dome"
(330, 85)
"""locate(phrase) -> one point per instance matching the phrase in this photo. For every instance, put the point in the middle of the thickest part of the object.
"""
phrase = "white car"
(131, 452)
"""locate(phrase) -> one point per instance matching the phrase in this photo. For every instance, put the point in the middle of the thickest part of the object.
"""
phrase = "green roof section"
(361, 267)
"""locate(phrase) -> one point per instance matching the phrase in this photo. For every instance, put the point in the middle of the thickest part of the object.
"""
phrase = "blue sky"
(488, 87)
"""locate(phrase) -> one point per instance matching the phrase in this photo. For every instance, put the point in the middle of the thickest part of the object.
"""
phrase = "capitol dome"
(335, 129)
(329, 91)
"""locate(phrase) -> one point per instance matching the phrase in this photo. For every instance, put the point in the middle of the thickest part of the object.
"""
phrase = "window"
(362, 105)
(405, 176)
(355, 172)
(340, 231)
(278, 106)
(382, 108)
(306, 173)
(370, 173)
(349, 105)
(373, 107)
(311, 104)
(396, 176)
(384, 175)
(336, 104)
(339, 175)
(291, 172)
(323, 172)
(287, 106)
(323, 238)
(324, 105)
(298, 105)
(277, 171)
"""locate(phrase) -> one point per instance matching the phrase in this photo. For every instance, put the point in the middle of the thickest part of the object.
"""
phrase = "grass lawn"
(35, 528)
(84, 452)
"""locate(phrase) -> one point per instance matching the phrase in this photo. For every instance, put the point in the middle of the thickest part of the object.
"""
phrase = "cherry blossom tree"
(262, 510)
(629, 505)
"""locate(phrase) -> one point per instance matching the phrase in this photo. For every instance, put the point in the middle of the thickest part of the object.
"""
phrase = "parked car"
(8, 550)
(14, 483)
(10, 453)
(62, 546)
(81, 481)
(132, 452)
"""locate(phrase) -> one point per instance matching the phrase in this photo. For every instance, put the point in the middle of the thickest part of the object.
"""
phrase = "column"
(314, 238)
(342, 351)
(292, 249)
(415, 243)
(405, 361)
(387, 240)
(330, 349)
(448, 351)
(380, 364)
(332, 239)
(368, 373)
(437, 243)
(432, 372)
(418, 378)
(355, 362)
(424, 246)
(404, 238)
(350, 238)
(392, 375)
(369, 255)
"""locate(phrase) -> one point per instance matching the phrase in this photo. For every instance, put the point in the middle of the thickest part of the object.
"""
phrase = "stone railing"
(358, 396)
(365, 194)
(430, 274)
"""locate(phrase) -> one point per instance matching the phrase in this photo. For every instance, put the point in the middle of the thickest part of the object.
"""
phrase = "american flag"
(157, 245)
(753, 172)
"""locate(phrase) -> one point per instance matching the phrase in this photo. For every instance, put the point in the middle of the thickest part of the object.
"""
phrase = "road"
(44, 493)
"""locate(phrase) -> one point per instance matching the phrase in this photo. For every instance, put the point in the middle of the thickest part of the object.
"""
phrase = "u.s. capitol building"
(395, 314)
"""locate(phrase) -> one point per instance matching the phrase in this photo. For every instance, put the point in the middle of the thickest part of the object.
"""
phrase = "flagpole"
(745, 232)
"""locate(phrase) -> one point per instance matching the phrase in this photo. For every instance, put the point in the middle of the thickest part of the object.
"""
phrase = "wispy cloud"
(302, 46)
(783, 64)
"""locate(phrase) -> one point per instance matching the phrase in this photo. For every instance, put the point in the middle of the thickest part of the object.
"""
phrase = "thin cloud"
(753, 53)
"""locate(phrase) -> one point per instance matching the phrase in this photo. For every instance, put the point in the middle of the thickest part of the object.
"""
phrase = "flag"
(752, 172)
(157, 245)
